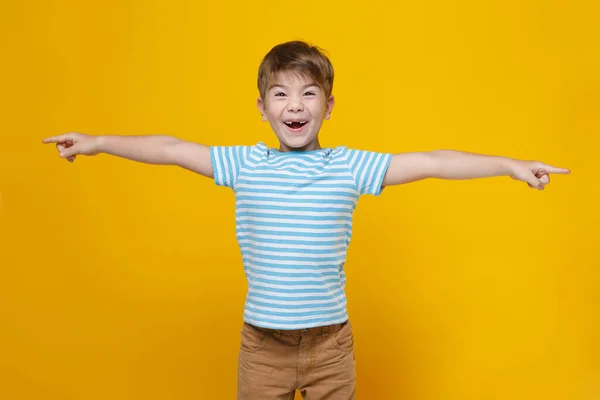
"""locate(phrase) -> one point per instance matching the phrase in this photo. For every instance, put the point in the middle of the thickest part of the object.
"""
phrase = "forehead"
(291, 79)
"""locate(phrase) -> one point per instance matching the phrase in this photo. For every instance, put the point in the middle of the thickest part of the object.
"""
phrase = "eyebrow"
(286, 87)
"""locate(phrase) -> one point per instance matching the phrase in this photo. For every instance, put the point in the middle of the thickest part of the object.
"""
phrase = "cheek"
(279, 104)
(273, 114)
(316, 106)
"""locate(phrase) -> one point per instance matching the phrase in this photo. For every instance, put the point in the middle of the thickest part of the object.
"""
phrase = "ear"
(261, 108)
(329, 107)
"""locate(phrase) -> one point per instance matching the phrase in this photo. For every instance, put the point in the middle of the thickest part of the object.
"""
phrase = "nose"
(295, 105)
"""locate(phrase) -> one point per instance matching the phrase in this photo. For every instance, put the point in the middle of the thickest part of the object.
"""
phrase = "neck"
(314, 145)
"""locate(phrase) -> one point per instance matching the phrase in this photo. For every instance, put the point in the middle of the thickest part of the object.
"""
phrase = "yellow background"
(124, 281)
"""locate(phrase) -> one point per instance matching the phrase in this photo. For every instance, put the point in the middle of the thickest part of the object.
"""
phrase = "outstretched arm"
(149, 149)
(457, 165)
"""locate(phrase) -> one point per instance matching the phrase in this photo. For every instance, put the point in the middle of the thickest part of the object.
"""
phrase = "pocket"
(253, 339)
(344, 338)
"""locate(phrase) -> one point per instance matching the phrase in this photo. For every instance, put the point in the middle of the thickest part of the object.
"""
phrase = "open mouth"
(295, 125)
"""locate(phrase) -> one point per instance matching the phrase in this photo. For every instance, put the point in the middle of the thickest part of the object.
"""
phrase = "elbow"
(170, 152)
(433, 164)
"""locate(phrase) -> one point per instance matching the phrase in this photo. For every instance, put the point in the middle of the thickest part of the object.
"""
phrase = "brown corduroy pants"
(319, 362)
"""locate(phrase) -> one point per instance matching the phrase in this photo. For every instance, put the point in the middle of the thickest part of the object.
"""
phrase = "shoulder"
(239, 149)
(339, 152)
(349, 153)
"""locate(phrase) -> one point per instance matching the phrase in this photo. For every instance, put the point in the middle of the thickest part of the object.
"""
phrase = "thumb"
(534, 182)
(70, 151)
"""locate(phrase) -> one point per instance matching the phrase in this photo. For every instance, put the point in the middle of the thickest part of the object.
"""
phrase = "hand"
(72, 144)
(534, 173)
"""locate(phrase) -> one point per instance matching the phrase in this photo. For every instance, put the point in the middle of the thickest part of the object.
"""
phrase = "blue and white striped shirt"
(294, 224)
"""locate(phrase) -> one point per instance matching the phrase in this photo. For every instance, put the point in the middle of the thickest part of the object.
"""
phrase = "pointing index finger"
(57, 139)
(555, 170)
(53, 139)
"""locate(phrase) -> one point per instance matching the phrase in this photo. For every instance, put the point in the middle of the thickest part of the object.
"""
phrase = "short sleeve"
(227, 161)
(368, 169)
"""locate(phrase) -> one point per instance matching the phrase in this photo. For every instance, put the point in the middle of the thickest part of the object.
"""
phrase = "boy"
(294, 210)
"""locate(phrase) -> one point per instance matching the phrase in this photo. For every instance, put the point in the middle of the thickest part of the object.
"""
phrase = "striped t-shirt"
(294, 224)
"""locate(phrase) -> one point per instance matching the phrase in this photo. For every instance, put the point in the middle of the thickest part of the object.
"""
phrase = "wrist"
(100, 144)
(507, 166)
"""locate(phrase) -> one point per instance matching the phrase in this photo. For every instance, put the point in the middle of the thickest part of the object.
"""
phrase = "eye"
(279, 94)
(309, 93)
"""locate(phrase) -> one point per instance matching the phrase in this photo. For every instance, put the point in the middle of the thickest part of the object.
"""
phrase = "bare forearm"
(150, 149)
(457, 165)
(444, 164)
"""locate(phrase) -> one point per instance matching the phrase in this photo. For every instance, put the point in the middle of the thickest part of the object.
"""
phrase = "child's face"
(295, 107)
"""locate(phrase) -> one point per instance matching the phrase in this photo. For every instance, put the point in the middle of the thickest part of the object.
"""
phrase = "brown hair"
(296, 57)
